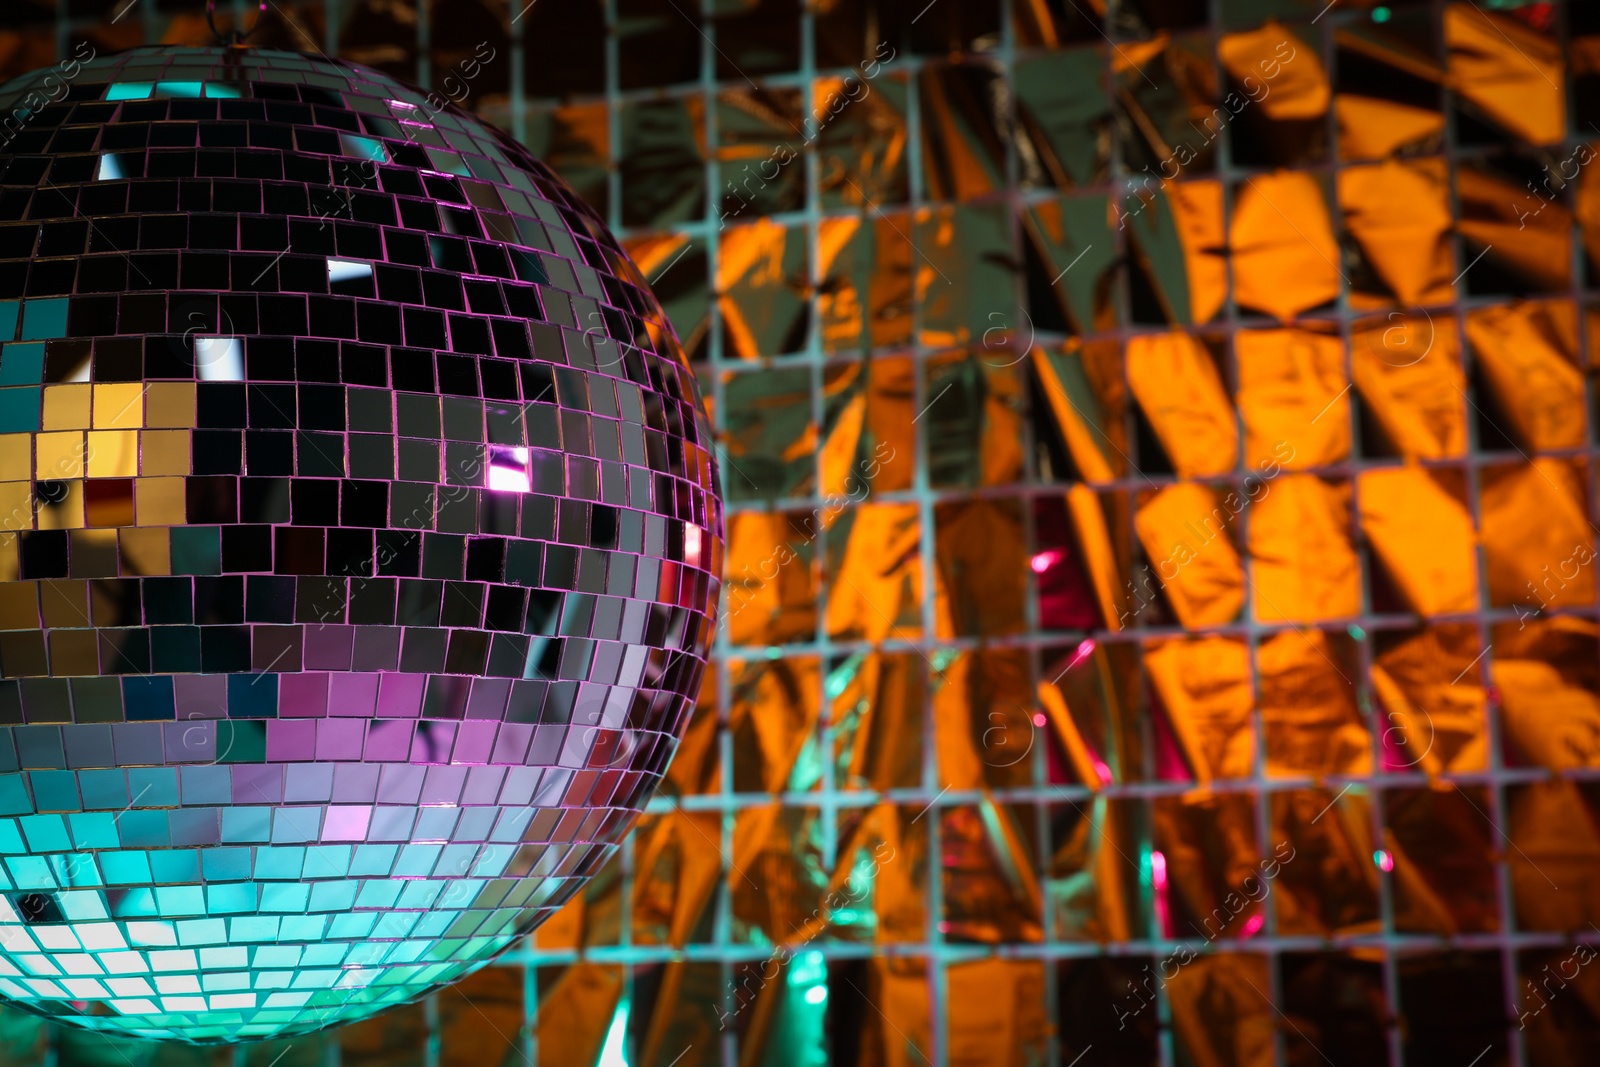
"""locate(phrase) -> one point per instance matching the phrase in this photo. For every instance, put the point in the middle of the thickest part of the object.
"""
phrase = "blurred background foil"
(1161, 603)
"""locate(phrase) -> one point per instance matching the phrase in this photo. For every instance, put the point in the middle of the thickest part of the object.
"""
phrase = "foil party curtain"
(1160, 614)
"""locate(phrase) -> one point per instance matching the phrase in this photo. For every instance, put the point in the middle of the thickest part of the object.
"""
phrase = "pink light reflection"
(508, 471)
(1104, 771)
(1158, 881)
(1253, 925)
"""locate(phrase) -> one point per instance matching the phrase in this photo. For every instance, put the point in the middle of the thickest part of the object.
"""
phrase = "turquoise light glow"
(364, 147)
(801, 1039)
(614, 1052)
(223, 843)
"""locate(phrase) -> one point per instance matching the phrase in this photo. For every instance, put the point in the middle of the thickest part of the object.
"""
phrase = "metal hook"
(233, 37)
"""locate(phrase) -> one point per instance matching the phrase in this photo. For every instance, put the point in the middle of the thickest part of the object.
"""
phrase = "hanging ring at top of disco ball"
(233, 35)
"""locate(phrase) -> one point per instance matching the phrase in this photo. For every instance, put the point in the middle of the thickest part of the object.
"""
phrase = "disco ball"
(360, 546)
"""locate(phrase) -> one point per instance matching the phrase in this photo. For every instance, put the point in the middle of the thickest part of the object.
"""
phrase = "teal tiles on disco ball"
(358, 540)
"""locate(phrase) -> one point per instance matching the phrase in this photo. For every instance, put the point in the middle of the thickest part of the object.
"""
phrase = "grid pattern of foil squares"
(358, 547)
(983, 293)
